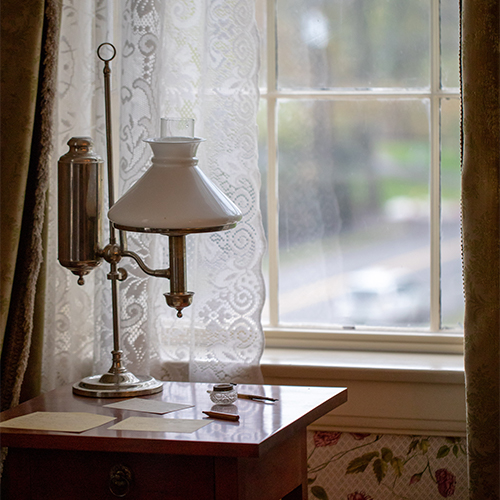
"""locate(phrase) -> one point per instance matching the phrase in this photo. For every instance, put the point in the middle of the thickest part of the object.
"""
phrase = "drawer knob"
(120, 479)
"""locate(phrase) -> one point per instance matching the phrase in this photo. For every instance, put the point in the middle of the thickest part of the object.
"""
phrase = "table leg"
(280, 473)
(299, 493)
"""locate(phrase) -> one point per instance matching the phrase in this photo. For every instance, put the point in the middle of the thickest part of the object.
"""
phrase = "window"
(360, 162)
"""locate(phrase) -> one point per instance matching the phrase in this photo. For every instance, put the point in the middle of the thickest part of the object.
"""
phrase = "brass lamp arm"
(178, 298)
(158, 273)
(112, 253)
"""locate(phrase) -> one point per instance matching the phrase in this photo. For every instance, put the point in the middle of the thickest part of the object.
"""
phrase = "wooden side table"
(260, 457)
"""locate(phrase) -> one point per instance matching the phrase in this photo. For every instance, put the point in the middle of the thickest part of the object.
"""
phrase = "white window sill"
(388, 392)
(370, 365)
(374, 339)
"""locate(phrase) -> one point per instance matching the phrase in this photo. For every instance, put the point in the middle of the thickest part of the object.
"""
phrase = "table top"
(261, 424)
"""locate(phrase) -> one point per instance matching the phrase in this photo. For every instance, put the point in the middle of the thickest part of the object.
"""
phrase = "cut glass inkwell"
(223, 394)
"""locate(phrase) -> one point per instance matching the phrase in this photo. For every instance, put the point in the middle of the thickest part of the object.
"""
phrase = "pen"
(256, 397)
(222, 416)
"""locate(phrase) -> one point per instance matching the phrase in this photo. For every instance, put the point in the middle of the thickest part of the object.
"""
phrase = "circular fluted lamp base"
(124, 385)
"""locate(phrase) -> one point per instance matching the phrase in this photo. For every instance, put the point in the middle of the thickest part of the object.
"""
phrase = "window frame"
(435, 339)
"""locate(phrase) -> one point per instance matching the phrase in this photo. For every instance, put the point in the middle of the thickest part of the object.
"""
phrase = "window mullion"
(272, 169)
(435, 177)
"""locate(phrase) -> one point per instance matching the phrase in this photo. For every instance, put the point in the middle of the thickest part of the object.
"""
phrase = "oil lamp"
(173, 198)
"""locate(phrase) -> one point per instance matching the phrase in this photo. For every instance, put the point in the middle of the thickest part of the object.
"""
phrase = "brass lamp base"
(123, 385)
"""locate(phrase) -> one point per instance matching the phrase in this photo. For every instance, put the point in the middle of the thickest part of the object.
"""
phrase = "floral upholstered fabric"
(357, 466)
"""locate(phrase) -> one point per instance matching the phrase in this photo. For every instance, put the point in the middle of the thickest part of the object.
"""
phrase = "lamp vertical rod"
(114, 274)
(109, 148)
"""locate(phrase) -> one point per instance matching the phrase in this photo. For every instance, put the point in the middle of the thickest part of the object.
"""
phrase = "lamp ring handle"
(104, 59)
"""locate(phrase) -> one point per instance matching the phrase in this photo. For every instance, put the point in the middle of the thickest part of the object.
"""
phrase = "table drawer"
(59, 474)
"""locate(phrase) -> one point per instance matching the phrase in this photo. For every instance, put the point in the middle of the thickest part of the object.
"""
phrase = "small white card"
(152, 424)
(147, 405)
(57, 421)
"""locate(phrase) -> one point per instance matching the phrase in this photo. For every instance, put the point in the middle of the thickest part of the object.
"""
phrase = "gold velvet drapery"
(29, 41)
(480, 47)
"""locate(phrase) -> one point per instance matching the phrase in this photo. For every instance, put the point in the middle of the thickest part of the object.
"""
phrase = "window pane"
(449, 43)
(354, 212)
(353, 43)
(452, 299)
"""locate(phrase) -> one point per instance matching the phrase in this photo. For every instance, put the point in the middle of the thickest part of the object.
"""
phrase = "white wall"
(390, 393)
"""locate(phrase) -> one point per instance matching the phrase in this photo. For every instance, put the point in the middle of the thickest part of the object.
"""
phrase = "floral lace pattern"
(184, 58)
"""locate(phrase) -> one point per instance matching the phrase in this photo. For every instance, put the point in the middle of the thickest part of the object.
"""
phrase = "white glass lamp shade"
(174, 196)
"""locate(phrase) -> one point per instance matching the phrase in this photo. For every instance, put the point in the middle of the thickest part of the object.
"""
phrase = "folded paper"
(151, 424)
(147, 405)
(57, 421)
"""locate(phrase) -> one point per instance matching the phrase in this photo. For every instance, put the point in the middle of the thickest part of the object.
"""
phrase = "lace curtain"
(185, 58)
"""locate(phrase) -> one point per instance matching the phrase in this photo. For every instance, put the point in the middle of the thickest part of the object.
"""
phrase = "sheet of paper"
(152, 424)
(57, 421)
(148, 405)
